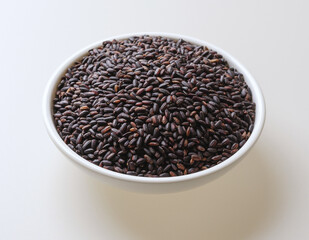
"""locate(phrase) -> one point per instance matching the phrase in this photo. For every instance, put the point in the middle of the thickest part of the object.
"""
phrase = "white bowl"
(147, 184)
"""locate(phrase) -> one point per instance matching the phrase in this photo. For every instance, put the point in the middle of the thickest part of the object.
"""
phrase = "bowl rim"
(51, 129)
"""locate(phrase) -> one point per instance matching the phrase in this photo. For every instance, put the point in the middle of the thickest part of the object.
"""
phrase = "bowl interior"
(52, 87)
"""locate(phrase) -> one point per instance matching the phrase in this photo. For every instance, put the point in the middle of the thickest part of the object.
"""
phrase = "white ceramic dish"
(146, 184)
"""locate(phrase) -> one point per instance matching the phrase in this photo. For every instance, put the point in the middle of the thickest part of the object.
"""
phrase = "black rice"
(154, 107)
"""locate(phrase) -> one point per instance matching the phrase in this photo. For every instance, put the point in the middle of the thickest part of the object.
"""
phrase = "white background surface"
(44, 196)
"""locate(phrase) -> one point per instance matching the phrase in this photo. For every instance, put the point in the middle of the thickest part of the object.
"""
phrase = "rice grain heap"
(154, 107)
